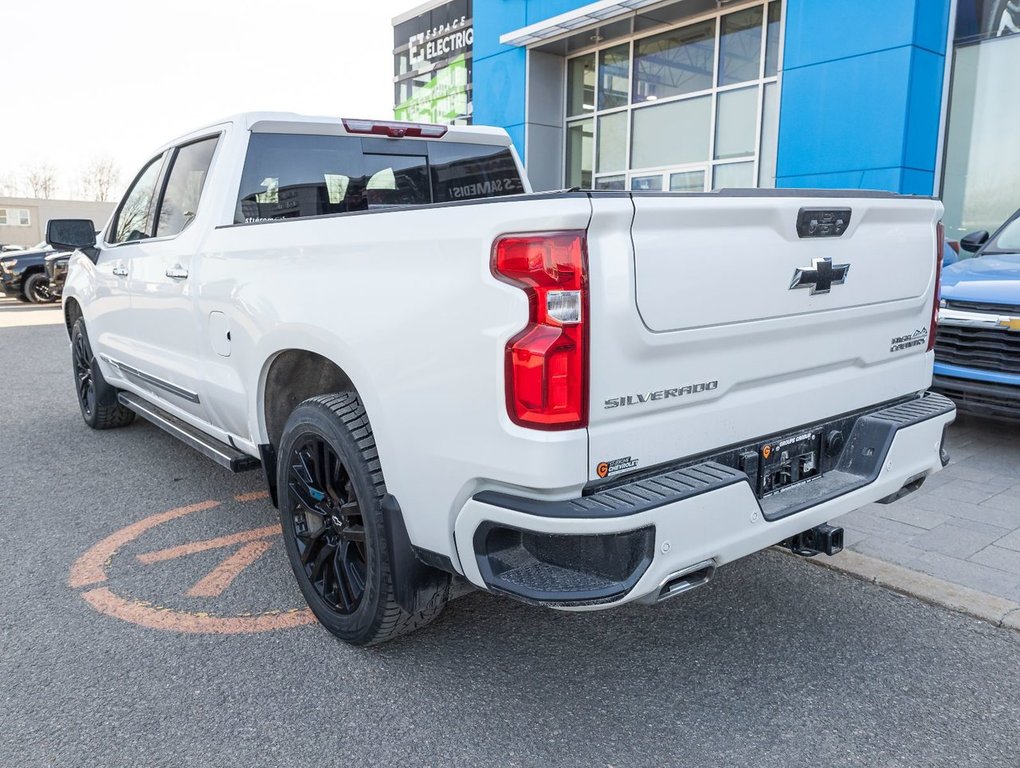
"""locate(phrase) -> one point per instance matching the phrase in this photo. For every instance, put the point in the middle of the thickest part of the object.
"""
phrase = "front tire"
(331, 488)
(37, 289)
(97, 400)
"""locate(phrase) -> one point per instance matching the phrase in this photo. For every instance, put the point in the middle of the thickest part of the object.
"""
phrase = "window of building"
(15, 217)
(691, 108)
(982, 161)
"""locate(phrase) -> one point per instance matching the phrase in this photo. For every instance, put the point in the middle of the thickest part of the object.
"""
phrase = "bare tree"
(42, 180)
(9, 186)
(99, 180)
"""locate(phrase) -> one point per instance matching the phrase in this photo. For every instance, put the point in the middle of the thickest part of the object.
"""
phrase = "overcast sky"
(84, 79)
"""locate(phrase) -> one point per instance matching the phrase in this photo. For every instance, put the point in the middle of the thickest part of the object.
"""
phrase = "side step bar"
(223, 454)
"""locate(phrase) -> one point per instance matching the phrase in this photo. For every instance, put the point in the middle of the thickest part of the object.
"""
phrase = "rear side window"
(184, 186)
(134, 217)
(297, 176)
(471, 171)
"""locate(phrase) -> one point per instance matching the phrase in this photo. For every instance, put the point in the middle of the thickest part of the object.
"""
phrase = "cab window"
(134, 218)
(296, 176)
(184, 186)
(289, 176)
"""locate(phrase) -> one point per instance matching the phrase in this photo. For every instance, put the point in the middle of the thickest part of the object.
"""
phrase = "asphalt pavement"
(149, 618)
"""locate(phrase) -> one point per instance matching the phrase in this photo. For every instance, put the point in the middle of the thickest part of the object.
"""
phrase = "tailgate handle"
(823, 222)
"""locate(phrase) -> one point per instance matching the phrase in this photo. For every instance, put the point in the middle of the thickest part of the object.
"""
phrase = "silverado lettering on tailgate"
(660, 394)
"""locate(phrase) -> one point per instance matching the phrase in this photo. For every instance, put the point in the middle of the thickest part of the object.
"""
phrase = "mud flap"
(415, 584)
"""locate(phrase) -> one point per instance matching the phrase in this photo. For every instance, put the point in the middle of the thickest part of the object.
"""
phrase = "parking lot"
(150, 618)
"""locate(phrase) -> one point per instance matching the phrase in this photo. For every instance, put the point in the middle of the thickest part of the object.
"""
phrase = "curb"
(997, 611)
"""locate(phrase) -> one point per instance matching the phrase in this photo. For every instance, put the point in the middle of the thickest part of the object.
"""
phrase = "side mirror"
(974, 241)
(71, 234)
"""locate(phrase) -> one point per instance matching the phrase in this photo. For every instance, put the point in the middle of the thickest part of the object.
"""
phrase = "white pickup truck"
(577, 399)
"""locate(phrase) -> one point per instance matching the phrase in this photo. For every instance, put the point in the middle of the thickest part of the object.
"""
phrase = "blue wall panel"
(817, 32)
(843, 115)
(862, 93)
(924, 109)
(500, 70)
(540, 10)
(493, 18)
(499, 83)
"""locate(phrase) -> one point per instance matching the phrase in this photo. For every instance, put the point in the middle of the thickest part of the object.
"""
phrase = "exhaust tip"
(683, 581)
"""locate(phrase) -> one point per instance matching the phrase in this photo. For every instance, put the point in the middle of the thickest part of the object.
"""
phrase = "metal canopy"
(585, 16)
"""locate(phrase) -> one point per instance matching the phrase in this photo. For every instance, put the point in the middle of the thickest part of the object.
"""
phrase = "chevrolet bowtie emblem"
(820, 276)
(1012, 323)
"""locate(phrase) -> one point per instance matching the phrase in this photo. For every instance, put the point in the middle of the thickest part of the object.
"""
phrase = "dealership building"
(912, 96)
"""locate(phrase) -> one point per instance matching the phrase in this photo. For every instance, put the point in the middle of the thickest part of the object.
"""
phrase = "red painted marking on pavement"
(223, 575)
(137, 612)
(201, 546)
(90, 568)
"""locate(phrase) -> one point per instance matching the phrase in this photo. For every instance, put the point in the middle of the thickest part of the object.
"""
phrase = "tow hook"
(823, 538)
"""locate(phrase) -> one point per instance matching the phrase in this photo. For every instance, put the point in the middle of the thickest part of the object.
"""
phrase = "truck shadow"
(776, 648)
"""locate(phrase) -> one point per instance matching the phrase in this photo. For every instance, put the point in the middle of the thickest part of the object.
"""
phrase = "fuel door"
(219, 333)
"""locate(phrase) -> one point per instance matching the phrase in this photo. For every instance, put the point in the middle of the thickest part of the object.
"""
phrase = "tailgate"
(724, 319)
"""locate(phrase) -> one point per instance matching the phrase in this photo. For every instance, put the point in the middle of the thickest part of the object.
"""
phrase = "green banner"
(442, 99)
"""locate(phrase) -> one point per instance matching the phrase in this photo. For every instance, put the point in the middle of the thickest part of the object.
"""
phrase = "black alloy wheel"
(329, 529)
(332, 489)
(85, 385)
(37, 288)
(97, 400)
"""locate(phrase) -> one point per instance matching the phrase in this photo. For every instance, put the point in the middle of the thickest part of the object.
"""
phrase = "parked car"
(575, 399)
(23, 274)
(977, 347)
(11, 247)
(56, 272)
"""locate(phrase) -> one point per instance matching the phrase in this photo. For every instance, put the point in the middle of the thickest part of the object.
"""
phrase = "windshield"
(1008, 239)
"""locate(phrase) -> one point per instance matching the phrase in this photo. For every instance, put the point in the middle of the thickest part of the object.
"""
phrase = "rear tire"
(331, 487)
(37, 288)
(97, 400)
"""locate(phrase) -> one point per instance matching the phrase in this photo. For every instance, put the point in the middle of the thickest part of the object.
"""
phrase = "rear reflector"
(395, 130)
(547, 362)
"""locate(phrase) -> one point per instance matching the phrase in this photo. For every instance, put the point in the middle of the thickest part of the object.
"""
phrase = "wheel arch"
(291, 376)
(29, 271)
(72, 311)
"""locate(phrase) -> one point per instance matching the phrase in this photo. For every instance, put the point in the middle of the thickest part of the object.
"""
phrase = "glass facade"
(432, 65)
(691, 108)
(981, 172)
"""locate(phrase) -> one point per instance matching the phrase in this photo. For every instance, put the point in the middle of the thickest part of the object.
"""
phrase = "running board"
(223, 454)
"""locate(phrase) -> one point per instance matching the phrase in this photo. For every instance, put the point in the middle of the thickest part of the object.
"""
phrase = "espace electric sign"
(438, 43)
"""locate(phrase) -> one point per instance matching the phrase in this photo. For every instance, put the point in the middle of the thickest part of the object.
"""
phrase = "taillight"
(394, 130)
(940, 234)
(547, 362)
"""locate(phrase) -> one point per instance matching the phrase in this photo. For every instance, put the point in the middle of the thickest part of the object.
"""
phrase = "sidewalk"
(961, 527)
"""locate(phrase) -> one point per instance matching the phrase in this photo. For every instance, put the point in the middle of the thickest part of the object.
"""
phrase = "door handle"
(177, 272)
(120, 271)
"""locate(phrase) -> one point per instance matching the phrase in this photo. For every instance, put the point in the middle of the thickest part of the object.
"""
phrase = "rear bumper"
(982, 398)
(625, 542)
